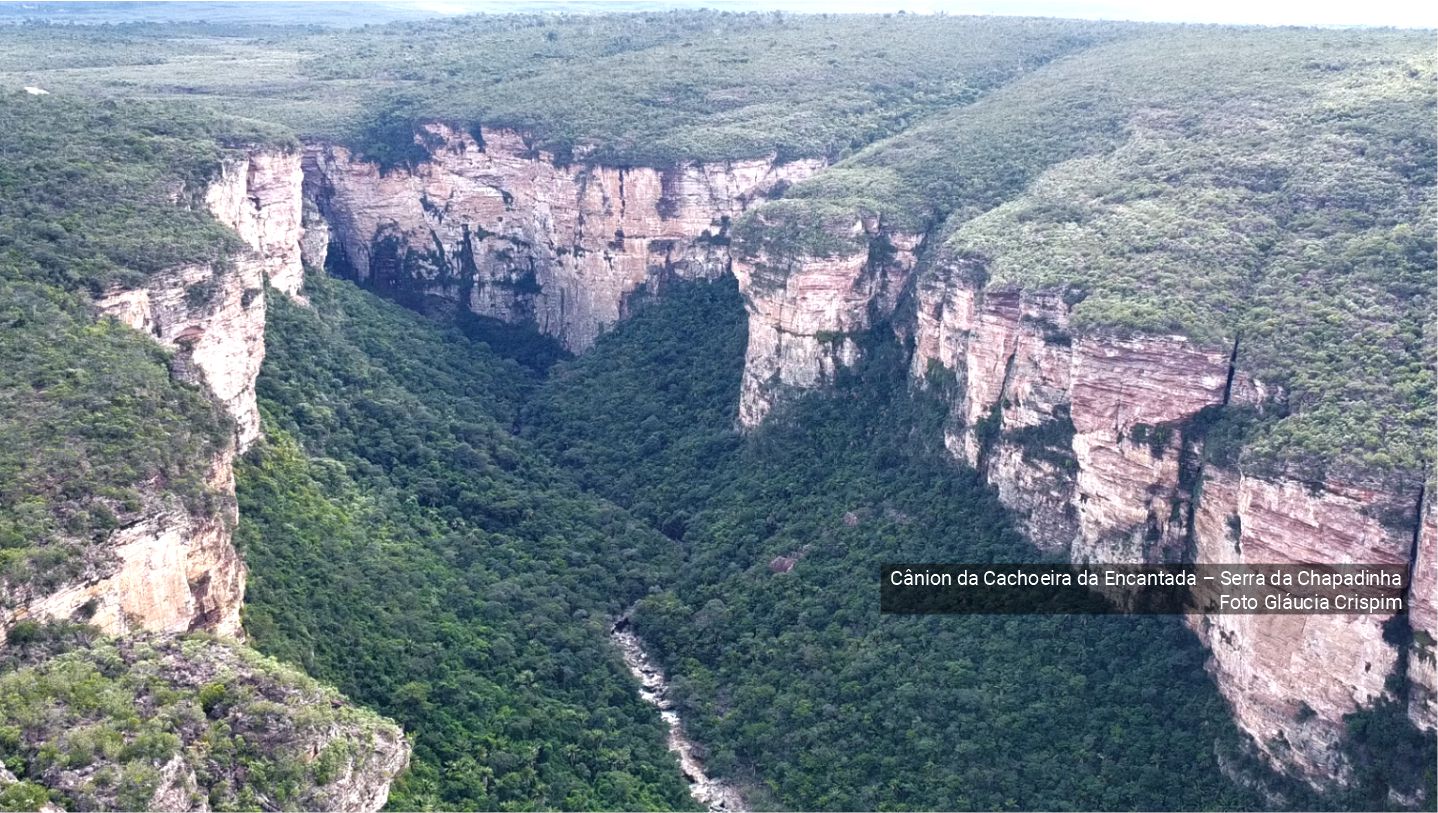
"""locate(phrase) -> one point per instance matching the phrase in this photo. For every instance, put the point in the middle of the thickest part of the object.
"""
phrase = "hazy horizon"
(1397, 13)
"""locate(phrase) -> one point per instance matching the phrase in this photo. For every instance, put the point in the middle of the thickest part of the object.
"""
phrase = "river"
(714, 794)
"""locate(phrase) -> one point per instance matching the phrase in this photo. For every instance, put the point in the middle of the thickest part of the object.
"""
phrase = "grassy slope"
(1274, 185)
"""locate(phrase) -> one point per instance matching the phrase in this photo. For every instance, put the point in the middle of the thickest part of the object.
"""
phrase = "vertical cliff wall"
(806, 311)
(1096, 442)
(497, 227)
(173, 568)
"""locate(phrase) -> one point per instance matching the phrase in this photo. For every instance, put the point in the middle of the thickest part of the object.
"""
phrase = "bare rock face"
(1292, 678)
(213, 317)
(806, 312)
(1423, 617)
(1094, 441)
(174, 568)
(495, 226)
(259, 196)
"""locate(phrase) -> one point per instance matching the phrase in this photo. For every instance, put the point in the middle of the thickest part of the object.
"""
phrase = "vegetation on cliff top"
(1294, 220)
(641, 88)
(90, 418)
(1275, 187)
(1323, 138)
(109, 723)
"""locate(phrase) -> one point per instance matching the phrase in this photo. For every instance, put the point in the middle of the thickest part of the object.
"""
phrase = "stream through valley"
(714, 794)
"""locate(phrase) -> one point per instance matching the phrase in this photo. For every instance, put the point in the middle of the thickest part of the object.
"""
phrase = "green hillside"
(1273, 188)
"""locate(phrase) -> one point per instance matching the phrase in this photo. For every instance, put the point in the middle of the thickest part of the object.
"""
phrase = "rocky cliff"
(806, 311)
(171, 569)
(493, 225)
(171, 566)
(221, 727)
(1095, 440)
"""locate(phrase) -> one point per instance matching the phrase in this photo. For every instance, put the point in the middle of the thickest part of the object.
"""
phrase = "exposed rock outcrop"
(1095, 441)
(1291, 679)
(259, 196)
(221, 727)
(490, 224)
(172, 570)
(806, 312)
(172, 567)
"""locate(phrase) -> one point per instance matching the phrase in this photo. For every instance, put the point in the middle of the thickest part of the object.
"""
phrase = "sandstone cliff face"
(805, 313)
(1423, 617)
(1095, 441)
(174, 568)
(213, 316)
(1292, 678)
(259, 196)
(501, 229)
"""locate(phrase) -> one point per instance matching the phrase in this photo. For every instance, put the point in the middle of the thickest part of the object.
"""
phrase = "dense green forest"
(407, 547)
(404, 546)
(444, 520)
(800, 689)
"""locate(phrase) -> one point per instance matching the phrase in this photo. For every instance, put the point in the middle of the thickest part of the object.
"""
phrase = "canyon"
(1094, 440)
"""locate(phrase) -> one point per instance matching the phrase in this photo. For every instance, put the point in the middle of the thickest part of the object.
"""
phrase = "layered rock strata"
(807, 312)
(1095, 441)
(492, 225)
(173, 567)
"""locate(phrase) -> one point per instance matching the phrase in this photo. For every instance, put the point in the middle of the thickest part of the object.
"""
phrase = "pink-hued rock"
(804, 315)
(1423, 617)
(174, 568)
(1292, 678)
(507, 232)
(1116, 484)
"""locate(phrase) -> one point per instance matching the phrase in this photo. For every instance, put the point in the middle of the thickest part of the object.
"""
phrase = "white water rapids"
(714, 794)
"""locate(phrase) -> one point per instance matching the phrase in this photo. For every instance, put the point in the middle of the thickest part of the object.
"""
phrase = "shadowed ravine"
(714, 794)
